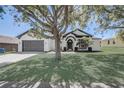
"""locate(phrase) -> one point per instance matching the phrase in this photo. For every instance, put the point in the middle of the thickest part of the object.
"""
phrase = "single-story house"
(70, 41)
(9, 43)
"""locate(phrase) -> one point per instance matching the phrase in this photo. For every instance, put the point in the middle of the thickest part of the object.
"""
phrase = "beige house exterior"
(29, 43)
(68, 42)
(112, 42)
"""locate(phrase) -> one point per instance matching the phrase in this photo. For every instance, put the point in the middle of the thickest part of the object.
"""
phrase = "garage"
(33, 45)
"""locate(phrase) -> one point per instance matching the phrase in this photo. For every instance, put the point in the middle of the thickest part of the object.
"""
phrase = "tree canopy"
(109, 17)
(44, 18)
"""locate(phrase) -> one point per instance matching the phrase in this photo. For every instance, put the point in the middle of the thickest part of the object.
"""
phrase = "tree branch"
(115, 27)
(32, 15)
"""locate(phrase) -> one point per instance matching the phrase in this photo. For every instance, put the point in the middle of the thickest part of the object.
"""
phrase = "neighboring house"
(9, 43)
(68, 42)
(112, 42)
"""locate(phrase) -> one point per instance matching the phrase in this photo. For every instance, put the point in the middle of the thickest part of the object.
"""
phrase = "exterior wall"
(112, 42)
(46, 45)
(20, 46)
(27, 37)
(49, 44)
(96, 45)
(64, 41)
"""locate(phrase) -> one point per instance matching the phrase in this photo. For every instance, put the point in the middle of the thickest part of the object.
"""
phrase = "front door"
(70, 44)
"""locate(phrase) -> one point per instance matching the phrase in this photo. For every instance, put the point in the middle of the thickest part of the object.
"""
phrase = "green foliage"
(50, 18)
(120, 35)
(109, 17)
(43, 16)
(84, 41)
(1, 12)
(87, 40)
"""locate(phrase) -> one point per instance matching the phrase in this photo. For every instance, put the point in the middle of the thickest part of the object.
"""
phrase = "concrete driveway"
(15, 57)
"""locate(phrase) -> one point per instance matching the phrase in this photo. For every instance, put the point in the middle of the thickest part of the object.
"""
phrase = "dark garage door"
(33, 45)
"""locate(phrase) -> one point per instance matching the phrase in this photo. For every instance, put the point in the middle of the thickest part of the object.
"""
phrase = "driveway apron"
(12, 58)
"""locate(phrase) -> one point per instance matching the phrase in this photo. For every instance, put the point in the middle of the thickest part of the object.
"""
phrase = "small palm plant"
(84, 42)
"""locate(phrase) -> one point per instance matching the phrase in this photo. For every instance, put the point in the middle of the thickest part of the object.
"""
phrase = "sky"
(10, 28)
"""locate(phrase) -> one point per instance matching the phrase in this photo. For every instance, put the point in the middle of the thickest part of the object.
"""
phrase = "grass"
(116, 50)
(84, 68)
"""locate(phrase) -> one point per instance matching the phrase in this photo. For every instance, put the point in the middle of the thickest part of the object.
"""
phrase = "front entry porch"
(70, 45)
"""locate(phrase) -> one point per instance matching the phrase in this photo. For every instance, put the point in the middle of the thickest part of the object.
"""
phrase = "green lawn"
(113, 50)
(84, 68)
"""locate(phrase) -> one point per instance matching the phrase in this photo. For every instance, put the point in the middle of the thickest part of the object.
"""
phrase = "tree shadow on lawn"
(73, 71)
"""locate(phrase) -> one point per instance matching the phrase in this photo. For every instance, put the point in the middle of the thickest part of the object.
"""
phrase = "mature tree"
(54, 20)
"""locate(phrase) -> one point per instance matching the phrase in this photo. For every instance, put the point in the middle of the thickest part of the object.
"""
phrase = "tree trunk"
(57, 48)
(56, 35)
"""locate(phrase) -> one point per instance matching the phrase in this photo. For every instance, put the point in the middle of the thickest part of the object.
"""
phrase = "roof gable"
(26, 32)
(81, 33)
(19, 36)
(78, 32)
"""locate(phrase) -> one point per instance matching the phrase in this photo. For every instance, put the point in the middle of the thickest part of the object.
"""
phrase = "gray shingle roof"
(76, 34)
(8, 39)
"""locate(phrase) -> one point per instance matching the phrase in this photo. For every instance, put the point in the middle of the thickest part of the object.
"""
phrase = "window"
(80, 40)
(113, 41)
(100, 43)
(81, 43)
(108, 42)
